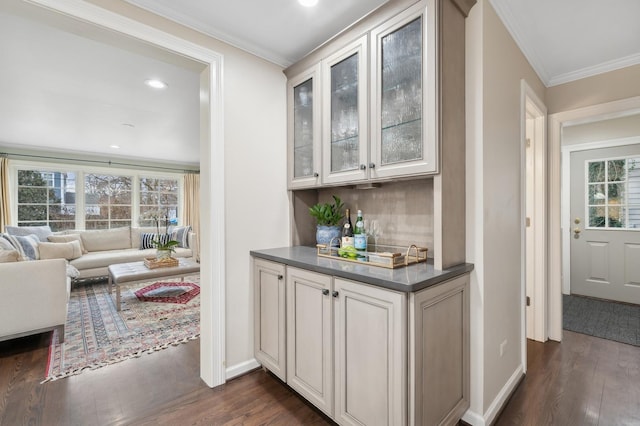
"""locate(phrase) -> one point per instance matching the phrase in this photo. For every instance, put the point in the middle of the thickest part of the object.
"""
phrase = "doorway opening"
(212, 271)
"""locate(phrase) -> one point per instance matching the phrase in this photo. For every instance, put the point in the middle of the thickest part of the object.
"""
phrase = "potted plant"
(163, 243)
(328, 217)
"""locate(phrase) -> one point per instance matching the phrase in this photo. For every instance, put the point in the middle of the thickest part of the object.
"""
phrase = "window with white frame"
(47, 198)
(613, 193)
(158, 195)
(102, 198)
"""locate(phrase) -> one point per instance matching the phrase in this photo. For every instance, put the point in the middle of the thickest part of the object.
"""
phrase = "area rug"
(97, 334)
(602, 318)
(168, 292)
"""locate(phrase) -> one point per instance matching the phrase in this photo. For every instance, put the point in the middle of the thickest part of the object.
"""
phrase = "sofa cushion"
(181, 235)
(66, 239)
(106, 239)
(136, 232)
(7, 256)
(5, 244)
(27, 246)
(69, 250)
(42, 232)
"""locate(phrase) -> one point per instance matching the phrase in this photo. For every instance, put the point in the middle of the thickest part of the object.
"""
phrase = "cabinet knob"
(280, 277)
(372, 165)
(363, 167)
(315, 174)
(334, 294)
(325, 292)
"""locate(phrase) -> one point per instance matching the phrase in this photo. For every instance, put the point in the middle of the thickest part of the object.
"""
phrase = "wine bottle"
(347, 231)
(359, 234)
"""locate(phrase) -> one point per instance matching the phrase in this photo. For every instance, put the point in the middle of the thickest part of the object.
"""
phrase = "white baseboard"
(243, 367)
(503, 396)
(473, 418)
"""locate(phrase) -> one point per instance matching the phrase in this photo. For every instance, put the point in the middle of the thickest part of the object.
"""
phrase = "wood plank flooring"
(583, 381)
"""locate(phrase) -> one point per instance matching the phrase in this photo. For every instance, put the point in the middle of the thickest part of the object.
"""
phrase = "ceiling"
(69, 86)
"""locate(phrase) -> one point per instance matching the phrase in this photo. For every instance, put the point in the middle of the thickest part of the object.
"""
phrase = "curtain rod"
(107, 162)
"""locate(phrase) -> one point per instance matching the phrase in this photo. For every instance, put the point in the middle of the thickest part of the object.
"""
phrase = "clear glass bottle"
(359, 234)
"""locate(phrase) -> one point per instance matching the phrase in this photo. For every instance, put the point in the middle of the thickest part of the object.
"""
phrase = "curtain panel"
(192, 203)
(5, 211)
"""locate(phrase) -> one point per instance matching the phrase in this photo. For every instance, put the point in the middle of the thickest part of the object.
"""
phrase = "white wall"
(615, 128)
(494, 218)
(256, 203)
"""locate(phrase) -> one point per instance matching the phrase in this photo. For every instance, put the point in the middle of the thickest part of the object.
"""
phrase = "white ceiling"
(69, 86)
(566, 40)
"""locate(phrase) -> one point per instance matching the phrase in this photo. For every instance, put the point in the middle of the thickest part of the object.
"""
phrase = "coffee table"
(137, 272)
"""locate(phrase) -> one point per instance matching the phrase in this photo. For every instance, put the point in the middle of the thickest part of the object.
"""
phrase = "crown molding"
(602, 68)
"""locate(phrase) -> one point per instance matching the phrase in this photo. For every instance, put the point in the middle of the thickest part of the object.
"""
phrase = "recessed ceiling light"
(128, 125)
(156, 84)
(308, 3)
(115, 146)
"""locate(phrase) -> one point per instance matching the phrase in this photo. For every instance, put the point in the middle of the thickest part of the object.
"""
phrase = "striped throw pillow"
(181, 235)
(146, 240)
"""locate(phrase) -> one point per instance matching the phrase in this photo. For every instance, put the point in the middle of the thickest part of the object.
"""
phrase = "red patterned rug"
(168, 292)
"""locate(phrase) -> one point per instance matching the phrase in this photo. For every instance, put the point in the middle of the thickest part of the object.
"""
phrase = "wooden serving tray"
(167, 262)
(389, 260)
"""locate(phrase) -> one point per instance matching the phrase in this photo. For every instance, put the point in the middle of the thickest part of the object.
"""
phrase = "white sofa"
(120, 245)
(34, 297)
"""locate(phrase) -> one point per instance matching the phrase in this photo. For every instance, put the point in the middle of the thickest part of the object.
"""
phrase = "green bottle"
(359, 234)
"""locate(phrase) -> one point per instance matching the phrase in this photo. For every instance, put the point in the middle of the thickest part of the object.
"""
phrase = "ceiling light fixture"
(308, 3)
(156, 84)
(115, 146)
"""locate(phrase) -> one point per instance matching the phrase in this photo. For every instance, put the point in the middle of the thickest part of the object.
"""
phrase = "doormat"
(610, 320)
(168, 292)
(98, 335)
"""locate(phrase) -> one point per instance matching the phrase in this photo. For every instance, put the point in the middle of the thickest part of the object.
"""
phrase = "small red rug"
(168, 292)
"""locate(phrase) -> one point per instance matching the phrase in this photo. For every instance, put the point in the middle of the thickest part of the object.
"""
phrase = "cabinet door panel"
(370, 355)
(304, 128)
(403, 101)
(270, 315)
(310, 337)
(345, 125)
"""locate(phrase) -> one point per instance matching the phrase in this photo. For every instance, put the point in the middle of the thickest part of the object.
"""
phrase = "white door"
(605, 223)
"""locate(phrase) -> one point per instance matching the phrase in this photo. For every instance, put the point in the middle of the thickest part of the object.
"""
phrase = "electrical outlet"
(503, 347)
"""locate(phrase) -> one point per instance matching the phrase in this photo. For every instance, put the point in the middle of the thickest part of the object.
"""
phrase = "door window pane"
(614, 203)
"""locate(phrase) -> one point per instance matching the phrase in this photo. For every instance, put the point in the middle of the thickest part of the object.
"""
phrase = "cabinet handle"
(280, 277)
(334, 294)
(325, 292)
(372, 165)
(315, 174)
(363, 167)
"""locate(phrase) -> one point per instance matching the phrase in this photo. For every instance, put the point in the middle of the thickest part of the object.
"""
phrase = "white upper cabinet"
(403, 125)
(378, 115)
(344, 110)
(304, 128)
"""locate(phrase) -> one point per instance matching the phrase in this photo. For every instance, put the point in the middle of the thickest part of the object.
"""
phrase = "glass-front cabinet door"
(304, 98)
(345, 124)
(403, 135)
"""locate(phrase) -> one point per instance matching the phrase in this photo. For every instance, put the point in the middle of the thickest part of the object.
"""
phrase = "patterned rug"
(97, 335)
(168, 292)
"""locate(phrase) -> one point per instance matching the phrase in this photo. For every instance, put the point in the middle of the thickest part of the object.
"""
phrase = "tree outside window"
(46, 198)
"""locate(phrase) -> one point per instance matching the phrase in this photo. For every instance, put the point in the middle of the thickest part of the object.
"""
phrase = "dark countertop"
(406, 279)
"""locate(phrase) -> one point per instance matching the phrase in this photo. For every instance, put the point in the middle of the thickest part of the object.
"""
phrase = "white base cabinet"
(365, 355)
(269, 340)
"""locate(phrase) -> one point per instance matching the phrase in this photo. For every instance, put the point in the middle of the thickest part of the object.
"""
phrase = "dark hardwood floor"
(583, 381)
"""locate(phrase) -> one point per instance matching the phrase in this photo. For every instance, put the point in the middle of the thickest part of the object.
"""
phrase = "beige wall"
(611, 86)
(494, 193)
(255, 169)
(615, 128)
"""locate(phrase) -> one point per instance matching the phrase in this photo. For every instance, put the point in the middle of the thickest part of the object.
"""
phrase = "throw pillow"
(66, 239)
(27, 246)
(7, 256)
(181, 235)
(107, 239)
(146, 240)
(5, 244)
(42, 232)
(70, 250)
